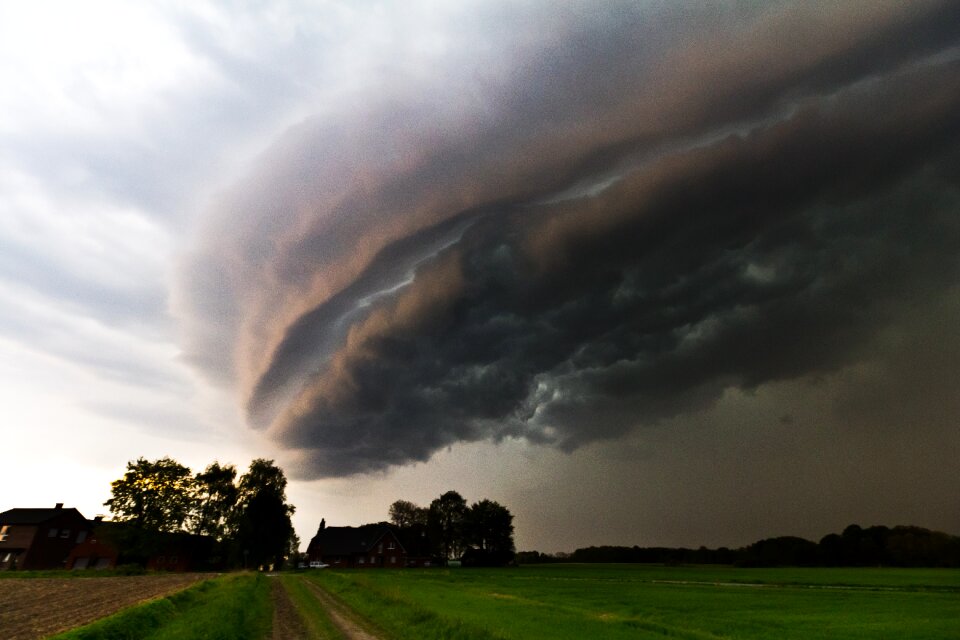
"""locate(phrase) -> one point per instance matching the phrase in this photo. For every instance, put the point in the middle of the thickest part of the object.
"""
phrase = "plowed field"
(38, 607)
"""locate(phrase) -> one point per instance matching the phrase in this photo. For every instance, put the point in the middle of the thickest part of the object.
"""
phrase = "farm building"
(367, 546)
(58, 538)
(94, 552)
(112, 543)
(40, 538)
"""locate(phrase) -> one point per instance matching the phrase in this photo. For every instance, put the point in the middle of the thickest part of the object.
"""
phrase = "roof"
(414, 542)
(343, 541)
(34, 516)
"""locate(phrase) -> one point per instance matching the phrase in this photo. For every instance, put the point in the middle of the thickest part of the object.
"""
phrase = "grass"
(400, 618)
(124, 570)
(234, 607)
(639, 601)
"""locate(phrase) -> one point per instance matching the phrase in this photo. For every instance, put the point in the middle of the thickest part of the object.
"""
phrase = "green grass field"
(638, 601)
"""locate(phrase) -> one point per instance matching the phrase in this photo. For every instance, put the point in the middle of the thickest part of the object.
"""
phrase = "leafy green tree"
(262, 523)
(405, 514)
(153, 495)
(447, 517)
(216, 498)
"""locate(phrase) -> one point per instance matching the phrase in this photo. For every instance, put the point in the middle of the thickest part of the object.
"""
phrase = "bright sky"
(645, 274)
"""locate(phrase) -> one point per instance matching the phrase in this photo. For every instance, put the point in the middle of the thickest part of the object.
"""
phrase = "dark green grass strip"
(399, 618)
(318, 623)
(620, 602)
(230, 608)
(125, 570)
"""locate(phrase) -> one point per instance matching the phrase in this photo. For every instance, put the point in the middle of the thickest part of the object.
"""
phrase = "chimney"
(59, 505)
(98, 519)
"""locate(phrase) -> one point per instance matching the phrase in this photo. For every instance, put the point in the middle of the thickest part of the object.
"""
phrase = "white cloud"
(113, 247)
(91, 67)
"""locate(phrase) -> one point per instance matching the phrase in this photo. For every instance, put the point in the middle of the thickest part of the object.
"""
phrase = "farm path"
(32, 608)
(287, 623)
(349, 623)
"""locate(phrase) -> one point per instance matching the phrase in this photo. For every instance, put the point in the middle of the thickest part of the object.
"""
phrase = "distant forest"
(902, 546)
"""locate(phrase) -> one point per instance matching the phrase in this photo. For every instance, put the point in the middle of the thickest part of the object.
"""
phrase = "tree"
(262, 518)
(447, 517)
(292, 552)
(490, 527)
(216, 498)
(153, 496)
(404, 514)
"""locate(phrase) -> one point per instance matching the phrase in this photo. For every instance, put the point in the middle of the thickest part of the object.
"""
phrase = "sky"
(646, 273)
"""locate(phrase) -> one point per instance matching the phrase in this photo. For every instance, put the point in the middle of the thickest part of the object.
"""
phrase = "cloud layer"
(565, 225)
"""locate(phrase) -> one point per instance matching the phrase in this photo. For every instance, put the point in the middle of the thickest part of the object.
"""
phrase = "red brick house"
(94, 552)
(111, 543)
(364, 547)
(40, 538)
(182, 552)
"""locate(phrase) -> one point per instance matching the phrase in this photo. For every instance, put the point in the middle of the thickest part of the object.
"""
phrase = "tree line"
(248, 519)
(480, 534)
(901, 546)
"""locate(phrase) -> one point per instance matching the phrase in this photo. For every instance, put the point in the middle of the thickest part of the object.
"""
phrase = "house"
(40, 538)
(113, 543)
(95, 552)
(367, 546)
(183, 552)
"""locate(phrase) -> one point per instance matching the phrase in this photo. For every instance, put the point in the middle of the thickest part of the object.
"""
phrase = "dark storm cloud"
(751, 195)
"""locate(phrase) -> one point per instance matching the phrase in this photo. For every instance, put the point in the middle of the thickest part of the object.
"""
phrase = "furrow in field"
(38, 607)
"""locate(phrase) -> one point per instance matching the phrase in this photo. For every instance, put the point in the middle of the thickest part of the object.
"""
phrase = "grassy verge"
(400, 618)
(229, 608)
(124, 570)
(318, 623)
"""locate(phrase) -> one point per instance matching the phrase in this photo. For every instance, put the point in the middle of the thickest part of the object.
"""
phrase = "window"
(391, 545)
(362, 559)
(380, 548)
(81, 536)
(52, 534)
(7, 557)
(173, 559)
(393, 559)
(3, 532)
(65, 533)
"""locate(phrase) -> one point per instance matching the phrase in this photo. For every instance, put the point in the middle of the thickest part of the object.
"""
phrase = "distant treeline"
(902, 546)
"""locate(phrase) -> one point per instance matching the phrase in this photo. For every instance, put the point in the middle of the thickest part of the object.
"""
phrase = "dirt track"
(38, 607)
(287, 623)
(346, 620)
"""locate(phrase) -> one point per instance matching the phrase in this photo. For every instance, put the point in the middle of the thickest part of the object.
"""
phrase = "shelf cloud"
(584, 223)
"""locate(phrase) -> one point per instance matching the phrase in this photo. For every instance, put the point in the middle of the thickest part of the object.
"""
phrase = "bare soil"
(34, 608)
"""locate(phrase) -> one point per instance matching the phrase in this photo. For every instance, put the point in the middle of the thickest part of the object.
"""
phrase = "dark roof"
(34, 516)
(343, 541)
(414, 541)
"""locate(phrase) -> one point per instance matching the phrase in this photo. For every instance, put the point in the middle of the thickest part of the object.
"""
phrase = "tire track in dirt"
(287, 623)
(349, 623)
(32, 608)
